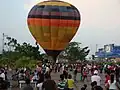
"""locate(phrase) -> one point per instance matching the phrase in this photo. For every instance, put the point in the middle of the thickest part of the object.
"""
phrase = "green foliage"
(25, 49)
(28, 51)
(3, 61)
(118, 63)
(26, 55)
(19, 55)
(74, 52)
(25, 62)
(11, 43)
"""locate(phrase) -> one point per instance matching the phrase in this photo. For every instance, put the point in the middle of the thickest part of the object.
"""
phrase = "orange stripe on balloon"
(53, 22)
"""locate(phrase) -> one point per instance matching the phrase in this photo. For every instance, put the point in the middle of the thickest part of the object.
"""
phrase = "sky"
(100, 21)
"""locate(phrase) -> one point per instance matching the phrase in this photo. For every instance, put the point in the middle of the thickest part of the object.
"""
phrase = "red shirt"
(107, 78)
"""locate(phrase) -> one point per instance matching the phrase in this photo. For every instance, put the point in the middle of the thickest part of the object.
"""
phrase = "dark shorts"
(85, 76)
(71, 89)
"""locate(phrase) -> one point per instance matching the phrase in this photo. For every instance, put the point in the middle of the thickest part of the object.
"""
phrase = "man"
(96, 78)
(28, 86)
(75, 74)
(47, 69)
(95, 86)
(3, 84)
(62, 83)
(2, 74)
(49, 84)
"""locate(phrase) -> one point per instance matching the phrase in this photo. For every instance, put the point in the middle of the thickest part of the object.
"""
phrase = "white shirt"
(96, 78)
(62, 68)
(50, 66)
(112, 85)
(39, 85)
(2, 75)
(94, 66)
(47, 69)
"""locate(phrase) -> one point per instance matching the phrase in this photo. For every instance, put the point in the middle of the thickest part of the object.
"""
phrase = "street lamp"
(96, 47)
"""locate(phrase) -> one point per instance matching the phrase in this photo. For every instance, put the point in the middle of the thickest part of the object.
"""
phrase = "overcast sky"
(100, 22)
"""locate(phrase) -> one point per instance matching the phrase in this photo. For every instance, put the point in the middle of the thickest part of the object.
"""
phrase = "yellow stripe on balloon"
(54, 3)
(53, 38)
(52, 31)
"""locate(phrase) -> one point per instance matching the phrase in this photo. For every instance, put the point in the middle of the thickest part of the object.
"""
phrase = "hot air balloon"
(53, 24)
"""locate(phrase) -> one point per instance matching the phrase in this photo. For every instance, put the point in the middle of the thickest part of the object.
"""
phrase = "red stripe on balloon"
(53, 22)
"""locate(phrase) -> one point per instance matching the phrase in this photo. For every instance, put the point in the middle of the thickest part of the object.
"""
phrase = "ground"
(80, 83)
(55, 76)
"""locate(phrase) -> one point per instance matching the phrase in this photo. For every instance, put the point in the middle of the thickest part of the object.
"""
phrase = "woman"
(84, 74)
(112, 83)
(107, 78)
(40, 83)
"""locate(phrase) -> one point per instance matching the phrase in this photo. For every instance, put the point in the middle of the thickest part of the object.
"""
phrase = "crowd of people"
(68, 81)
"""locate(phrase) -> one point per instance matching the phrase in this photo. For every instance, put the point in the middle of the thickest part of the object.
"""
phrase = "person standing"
(95, 86)
(2, 74)
(62, 83)
(117, 73)
(75, 74)
(71, 83)
(107, 78)
(96, 78)
(28, 86)
(49, 84)
(112, 83)
(40, 83)
(84, 74)
(3, 84)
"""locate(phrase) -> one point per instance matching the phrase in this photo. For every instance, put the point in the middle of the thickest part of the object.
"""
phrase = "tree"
(25, 62)
(74, 52)
(14, 51)
(9, 56)
(11, 43)
(28, 51)
(24, 49)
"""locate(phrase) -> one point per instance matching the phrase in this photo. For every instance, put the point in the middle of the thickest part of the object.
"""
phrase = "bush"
(25, 62)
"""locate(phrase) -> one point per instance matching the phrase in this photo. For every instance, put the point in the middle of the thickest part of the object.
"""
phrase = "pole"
(3, 43)
(96, 47)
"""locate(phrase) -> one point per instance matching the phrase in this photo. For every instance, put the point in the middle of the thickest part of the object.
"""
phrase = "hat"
(95, 72)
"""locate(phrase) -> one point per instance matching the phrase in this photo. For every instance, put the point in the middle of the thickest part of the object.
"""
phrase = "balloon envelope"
(53, 24)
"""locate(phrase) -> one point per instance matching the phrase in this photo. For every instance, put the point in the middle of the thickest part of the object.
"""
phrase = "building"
(108, 51)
